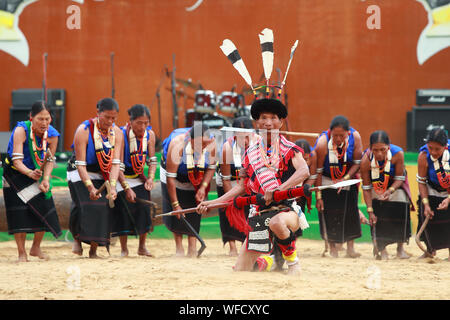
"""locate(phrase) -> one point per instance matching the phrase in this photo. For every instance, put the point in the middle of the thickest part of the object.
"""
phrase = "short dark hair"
(107, 104)
(379, 136)
(438, 135)
(302, 143)
(138, 110)
(243, 122)
(39, 106)
(340, 121)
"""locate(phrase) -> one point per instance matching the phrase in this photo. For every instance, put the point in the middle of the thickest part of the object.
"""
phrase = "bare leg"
(401, 253)
(93, 250)
(142, 250)
(192, 246)
(35, 250)
(123, 246)
(351, 253)
(246, 259)
(20, 241)
(179, 244)
(384, 254)
(77, 248)
(233, 249)
(283, 225)
(334, 251)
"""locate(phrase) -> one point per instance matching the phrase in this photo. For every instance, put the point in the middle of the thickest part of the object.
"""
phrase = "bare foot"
(233, 249)
(144, 252)
(192, 253)
(403, 255)
(77, 249)
(294, 269)
(179, 253)
(352, 254)
(334, 253)
(93, 254)
(384, 255)
(38, 253)
(124, 253)
(427, 255)
(22, 258)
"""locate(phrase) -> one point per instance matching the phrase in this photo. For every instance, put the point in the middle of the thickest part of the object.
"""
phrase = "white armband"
(17, 156)
(171, 174)
(421, 180)
(225, 177)
(80, 163)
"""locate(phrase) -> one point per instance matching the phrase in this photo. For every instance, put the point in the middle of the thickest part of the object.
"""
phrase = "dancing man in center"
(270, 163)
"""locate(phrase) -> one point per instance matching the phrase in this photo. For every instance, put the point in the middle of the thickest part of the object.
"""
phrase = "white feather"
(294, 47)
(227, 48)
(267, 36)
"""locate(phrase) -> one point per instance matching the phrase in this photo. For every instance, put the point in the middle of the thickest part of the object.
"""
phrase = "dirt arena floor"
(165, 277)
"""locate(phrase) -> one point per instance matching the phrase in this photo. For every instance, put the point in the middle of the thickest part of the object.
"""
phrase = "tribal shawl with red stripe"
(260, 177)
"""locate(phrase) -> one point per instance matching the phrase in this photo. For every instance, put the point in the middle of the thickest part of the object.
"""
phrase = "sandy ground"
(165, 277)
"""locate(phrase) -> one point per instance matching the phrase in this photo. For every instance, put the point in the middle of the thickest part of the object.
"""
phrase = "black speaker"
(17, 114)
(22, 98)
(433, 97)
(424, 120)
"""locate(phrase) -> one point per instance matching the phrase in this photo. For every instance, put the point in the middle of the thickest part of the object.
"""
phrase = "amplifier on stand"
(433, 97)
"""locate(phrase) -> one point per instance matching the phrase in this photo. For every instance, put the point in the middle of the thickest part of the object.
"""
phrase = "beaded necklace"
(36, 150)
(137, 155)
(273, 160)
(380, 174)
(195, 171)
(335, 158)
(104, 158)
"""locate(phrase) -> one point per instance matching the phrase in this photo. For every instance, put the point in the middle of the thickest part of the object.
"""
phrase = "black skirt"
(131, 218)
(341, 215)
(36, 215)
(186, 198)
(90, 220)
(437, 232)
(393, 222)
(228, 232)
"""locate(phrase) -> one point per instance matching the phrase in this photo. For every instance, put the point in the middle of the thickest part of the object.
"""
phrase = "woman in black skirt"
(434, 188)
(188, 163)
(386, 194)
(131, 217)
(26, 175)
(339, 152)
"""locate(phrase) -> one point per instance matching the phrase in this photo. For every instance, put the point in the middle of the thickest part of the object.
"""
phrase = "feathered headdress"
(266, 42)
